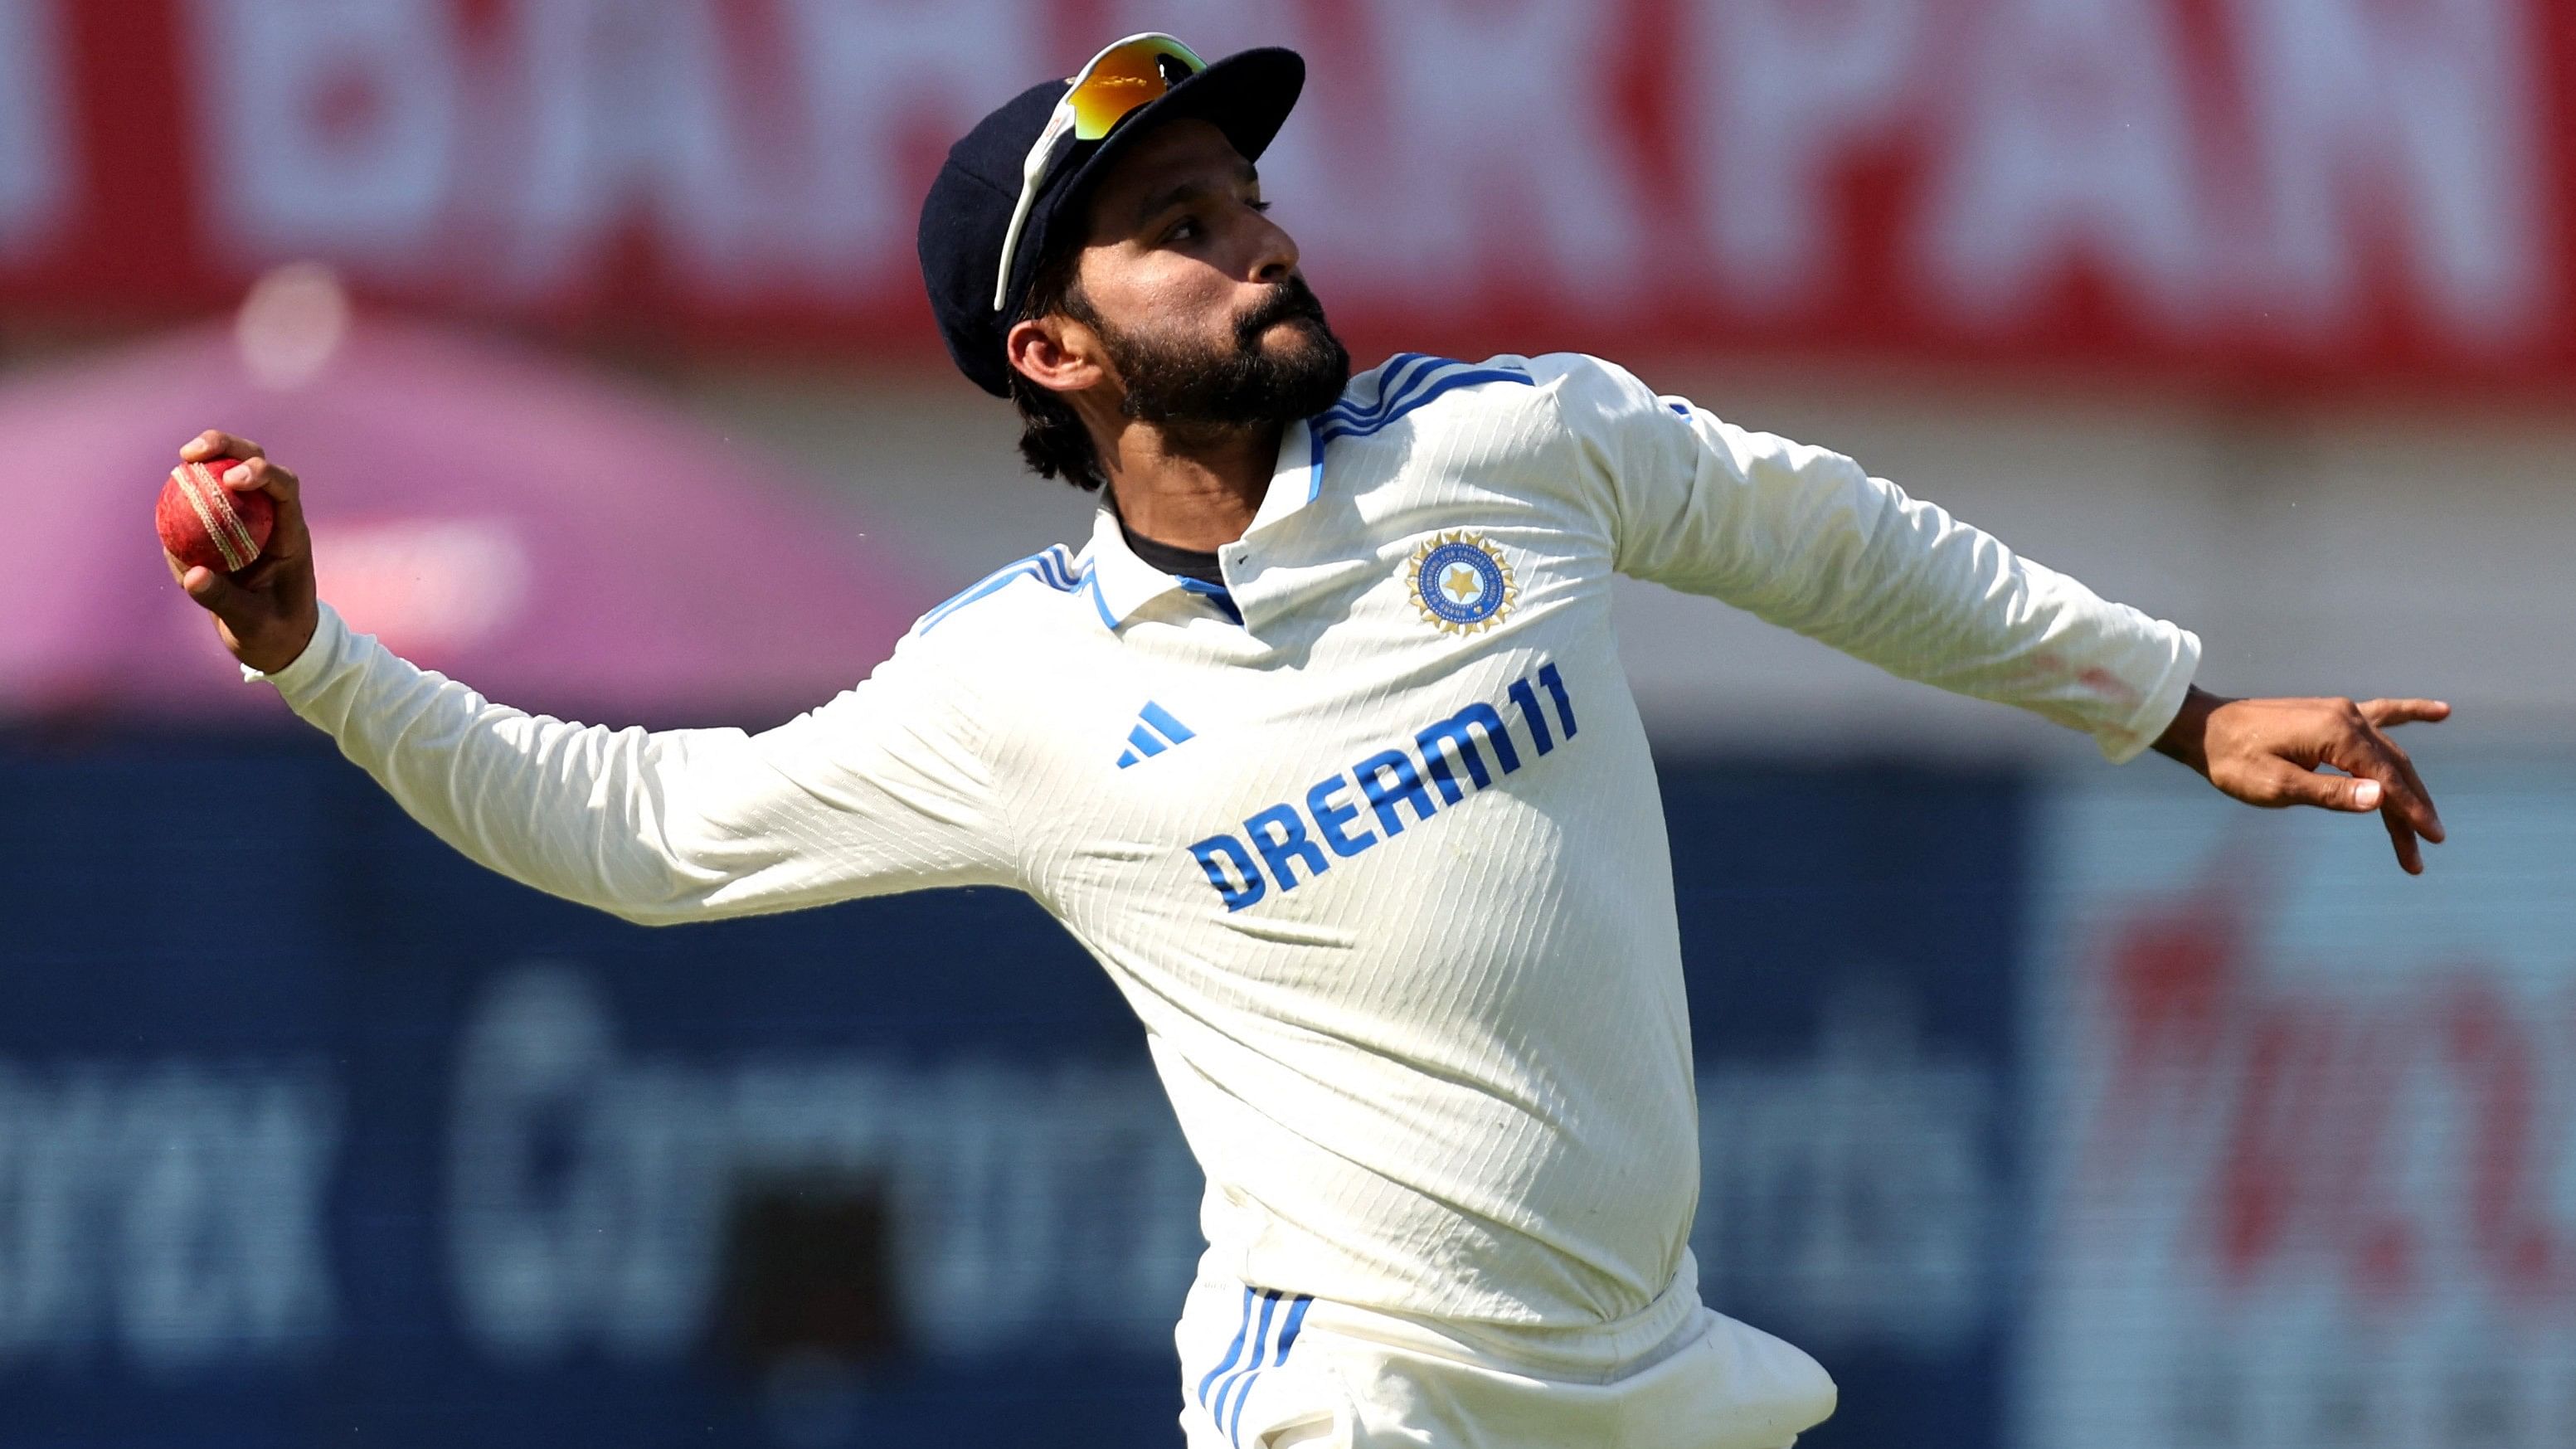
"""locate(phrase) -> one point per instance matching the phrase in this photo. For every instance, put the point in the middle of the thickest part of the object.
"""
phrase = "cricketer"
(1321, 747)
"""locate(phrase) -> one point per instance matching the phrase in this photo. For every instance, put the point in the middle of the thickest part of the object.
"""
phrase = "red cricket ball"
(206, 525)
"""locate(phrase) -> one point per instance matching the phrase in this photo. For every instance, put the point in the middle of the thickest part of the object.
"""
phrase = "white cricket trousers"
(1267, 1370)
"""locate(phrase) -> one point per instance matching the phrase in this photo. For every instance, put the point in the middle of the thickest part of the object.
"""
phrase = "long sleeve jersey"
(1368, 836)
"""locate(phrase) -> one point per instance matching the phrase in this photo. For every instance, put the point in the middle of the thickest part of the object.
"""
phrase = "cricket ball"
(206, 525)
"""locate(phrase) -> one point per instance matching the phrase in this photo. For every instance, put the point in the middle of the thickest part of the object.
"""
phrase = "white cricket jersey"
(1369, 838)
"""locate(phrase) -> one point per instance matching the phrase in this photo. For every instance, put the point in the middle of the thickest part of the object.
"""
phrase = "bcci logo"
(1460, 583)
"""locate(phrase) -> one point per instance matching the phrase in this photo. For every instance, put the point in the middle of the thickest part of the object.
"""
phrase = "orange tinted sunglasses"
(1129, 73)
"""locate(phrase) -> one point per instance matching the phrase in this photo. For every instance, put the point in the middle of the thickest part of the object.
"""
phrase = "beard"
(1194, 387)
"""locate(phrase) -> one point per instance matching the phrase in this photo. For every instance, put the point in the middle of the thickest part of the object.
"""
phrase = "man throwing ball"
(1320, 745)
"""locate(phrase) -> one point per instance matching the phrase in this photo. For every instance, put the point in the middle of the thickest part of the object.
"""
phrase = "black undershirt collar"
(1186, 563)
(1183, 563)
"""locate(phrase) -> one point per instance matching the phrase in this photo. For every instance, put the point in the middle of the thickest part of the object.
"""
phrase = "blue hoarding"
(312, 1132)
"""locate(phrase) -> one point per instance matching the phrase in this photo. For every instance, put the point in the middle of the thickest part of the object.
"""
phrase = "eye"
(1260, 206)
(1182, 230)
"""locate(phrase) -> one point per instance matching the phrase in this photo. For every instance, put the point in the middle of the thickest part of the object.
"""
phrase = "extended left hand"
(2270, 752)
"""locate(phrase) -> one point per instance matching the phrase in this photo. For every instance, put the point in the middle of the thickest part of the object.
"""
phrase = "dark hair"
(1053, 440)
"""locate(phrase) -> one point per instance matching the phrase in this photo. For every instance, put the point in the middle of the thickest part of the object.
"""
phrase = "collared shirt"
(1369, 838)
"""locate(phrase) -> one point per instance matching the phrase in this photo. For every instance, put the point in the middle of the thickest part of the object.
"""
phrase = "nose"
(1274, 255)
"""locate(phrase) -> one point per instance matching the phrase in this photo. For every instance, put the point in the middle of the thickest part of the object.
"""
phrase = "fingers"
(2363, 751)
(2383, 713)
(2410, 856)
(211, 589)
(260, 575)
(2427, 821)
(214, 444)
(286, 539)
(2405, 806)
(254, 473)
(258, 475)
(2281, 752)
(2352, 794)
(2287, 784)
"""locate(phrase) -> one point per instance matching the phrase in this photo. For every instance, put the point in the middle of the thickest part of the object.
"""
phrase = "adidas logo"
(1155, 732)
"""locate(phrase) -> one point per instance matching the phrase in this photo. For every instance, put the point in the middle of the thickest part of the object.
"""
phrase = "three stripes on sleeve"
(1225, 1388)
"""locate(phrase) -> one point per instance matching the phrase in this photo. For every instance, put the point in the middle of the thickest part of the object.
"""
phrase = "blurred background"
(2047, 1103)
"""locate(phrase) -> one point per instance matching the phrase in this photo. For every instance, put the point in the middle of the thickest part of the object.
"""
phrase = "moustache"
(1294, 301)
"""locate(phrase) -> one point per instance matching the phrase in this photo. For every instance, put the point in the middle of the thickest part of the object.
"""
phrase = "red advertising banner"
(2307, 1138)
(2259, 190)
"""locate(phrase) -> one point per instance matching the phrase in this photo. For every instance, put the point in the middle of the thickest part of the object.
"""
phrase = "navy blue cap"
(1247, 96)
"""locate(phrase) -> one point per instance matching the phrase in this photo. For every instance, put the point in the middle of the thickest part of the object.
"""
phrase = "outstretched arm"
(2271, 752)
(1805, 538)
(880, 790)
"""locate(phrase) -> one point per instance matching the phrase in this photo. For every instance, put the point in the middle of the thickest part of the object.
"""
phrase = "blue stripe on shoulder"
(1393, 375)
(1395, 379)
(1401, 386)
(1333, 427)
(1051, 566)
(1055, 569)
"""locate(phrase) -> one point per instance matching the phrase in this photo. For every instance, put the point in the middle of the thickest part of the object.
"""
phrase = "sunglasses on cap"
(1130, 73)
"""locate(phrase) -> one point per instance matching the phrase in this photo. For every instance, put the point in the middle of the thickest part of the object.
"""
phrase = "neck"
(1194, 490)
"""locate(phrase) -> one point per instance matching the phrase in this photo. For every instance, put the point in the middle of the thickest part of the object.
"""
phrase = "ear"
(1055, 352)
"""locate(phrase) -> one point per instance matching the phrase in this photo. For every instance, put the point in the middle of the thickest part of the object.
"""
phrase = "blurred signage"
(1853, 960)
(406, 1152)
(587, 1190)
(2311, 1161)
(2284, 189)
(167, 1211)
(1856, 1190)
(174, 1218)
